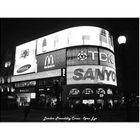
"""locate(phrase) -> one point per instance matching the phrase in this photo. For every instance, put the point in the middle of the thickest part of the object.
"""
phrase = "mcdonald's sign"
(49, 62)
(52, 60)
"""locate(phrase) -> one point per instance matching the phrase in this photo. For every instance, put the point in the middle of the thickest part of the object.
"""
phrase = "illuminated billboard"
(75, 36)
(91, 75)
(106, 58)
(25, 61)
(51, 61)
(90, 56)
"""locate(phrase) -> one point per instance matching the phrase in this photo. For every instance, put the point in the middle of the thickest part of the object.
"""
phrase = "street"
(17, 115)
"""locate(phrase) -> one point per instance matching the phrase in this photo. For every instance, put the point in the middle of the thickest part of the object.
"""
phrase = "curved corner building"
(81, 59)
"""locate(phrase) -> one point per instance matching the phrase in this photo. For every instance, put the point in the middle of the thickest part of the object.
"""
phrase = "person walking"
(26, 111)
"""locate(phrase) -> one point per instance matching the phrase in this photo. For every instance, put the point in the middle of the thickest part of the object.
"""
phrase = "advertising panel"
(89, 35)
(75, 36)
(25, 90)
(82, 56)
(25, 61)
(52, 60)
(106, 58)
(25, 84)
(91, 75)
(52, 42)
(45, 44)
(90, 56)
(39, 75)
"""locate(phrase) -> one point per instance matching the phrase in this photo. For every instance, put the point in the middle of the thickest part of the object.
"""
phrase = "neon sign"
(91, 75)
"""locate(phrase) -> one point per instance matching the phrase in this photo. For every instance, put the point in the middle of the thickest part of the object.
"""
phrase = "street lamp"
(122, 39)
(122, 60)
(123, 52)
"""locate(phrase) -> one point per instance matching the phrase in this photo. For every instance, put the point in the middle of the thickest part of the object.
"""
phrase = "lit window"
(109, 91)
(33, 95)
(3, 80)
(7, 64)
(74, 91)
(87, 91)
(8, 89)
(28, 99)
(12, 89)
(9, 79)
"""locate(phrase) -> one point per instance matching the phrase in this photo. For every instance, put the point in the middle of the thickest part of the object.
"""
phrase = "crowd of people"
(99, 104)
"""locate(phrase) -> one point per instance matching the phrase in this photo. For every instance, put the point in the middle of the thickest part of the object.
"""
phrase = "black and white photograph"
(69, 70)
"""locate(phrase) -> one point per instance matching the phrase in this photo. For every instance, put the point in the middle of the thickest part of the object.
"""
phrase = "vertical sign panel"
(25, 61)
(106, 58)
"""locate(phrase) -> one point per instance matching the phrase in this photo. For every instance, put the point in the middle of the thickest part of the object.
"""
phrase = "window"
(7, 64)
(12, 89)
(109, 91)
(8, 89)
(2, 80)
(9, 79)
(1, 88)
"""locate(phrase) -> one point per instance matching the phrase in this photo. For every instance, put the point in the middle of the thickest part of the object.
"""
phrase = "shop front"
(49, 93)
(25, 93)
(90, 77)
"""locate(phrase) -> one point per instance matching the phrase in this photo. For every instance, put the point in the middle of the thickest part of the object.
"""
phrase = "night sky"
(16, 31)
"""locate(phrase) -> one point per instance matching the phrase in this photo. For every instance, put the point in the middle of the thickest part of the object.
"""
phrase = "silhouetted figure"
(26, 112)
(57, 90)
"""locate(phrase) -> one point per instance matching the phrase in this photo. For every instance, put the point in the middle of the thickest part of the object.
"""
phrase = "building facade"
(72, 67)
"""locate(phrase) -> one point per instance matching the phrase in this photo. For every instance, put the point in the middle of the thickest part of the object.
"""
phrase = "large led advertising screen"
(90, 65)
(75, 36)
(91, 75)
(90, 56)
(25, 60)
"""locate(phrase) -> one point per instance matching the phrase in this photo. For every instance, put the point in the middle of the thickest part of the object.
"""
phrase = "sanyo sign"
(91, 75)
